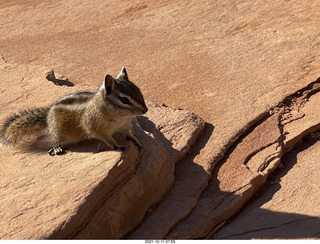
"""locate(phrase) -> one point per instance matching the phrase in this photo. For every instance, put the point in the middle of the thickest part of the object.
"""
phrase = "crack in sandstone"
(268, 160)
(280, 142)
(293, 103)
(255, 152)
(297, 102)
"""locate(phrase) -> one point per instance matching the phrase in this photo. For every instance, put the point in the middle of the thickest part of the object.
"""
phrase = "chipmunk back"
(82, 115)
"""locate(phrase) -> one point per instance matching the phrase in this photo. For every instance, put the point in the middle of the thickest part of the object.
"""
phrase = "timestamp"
(159, 241)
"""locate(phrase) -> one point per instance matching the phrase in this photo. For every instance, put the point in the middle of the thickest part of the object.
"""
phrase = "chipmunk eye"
(125, 100)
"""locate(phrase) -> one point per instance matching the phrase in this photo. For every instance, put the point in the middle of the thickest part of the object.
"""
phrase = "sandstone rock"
(124, 209)
(170, 130)
(176, 131)
(92, 191)
(230, 63)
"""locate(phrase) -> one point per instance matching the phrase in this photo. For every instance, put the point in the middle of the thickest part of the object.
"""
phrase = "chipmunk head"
(123, 94)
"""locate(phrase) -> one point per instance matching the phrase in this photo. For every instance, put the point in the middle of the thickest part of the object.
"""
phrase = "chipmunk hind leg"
(58, 147)
(64, 129)
(58, 150)
(111, 143)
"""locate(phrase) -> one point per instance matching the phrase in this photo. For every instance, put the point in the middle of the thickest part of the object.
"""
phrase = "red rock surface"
(229, 62)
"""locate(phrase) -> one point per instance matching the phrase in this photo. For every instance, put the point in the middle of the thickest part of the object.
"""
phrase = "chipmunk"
(82, 115)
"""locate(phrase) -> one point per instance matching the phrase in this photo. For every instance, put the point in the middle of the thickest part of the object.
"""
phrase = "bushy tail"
(24, 123)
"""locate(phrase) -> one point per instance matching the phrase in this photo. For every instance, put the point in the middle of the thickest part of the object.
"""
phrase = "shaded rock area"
(253, 158)
(249, 69)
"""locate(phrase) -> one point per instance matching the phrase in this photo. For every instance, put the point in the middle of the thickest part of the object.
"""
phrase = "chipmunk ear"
(108, 84)
(123, 75)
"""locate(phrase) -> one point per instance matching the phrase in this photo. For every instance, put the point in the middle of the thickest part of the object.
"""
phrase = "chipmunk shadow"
(189, 152)
(142, 126)
(41, 145)
(60, 82)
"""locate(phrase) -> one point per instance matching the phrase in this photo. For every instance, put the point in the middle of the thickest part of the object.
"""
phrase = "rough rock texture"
(231, 62)
(279, 212)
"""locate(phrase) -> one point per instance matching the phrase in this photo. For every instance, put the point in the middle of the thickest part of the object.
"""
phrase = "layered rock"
(284, 208)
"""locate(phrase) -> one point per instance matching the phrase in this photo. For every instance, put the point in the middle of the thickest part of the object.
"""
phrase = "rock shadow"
(41, 145)
(255, 222)
(275, 225)
(190, 179)
(63, 81)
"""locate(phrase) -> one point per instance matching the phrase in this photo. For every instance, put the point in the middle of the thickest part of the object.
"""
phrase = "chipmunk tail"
(23, 123)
